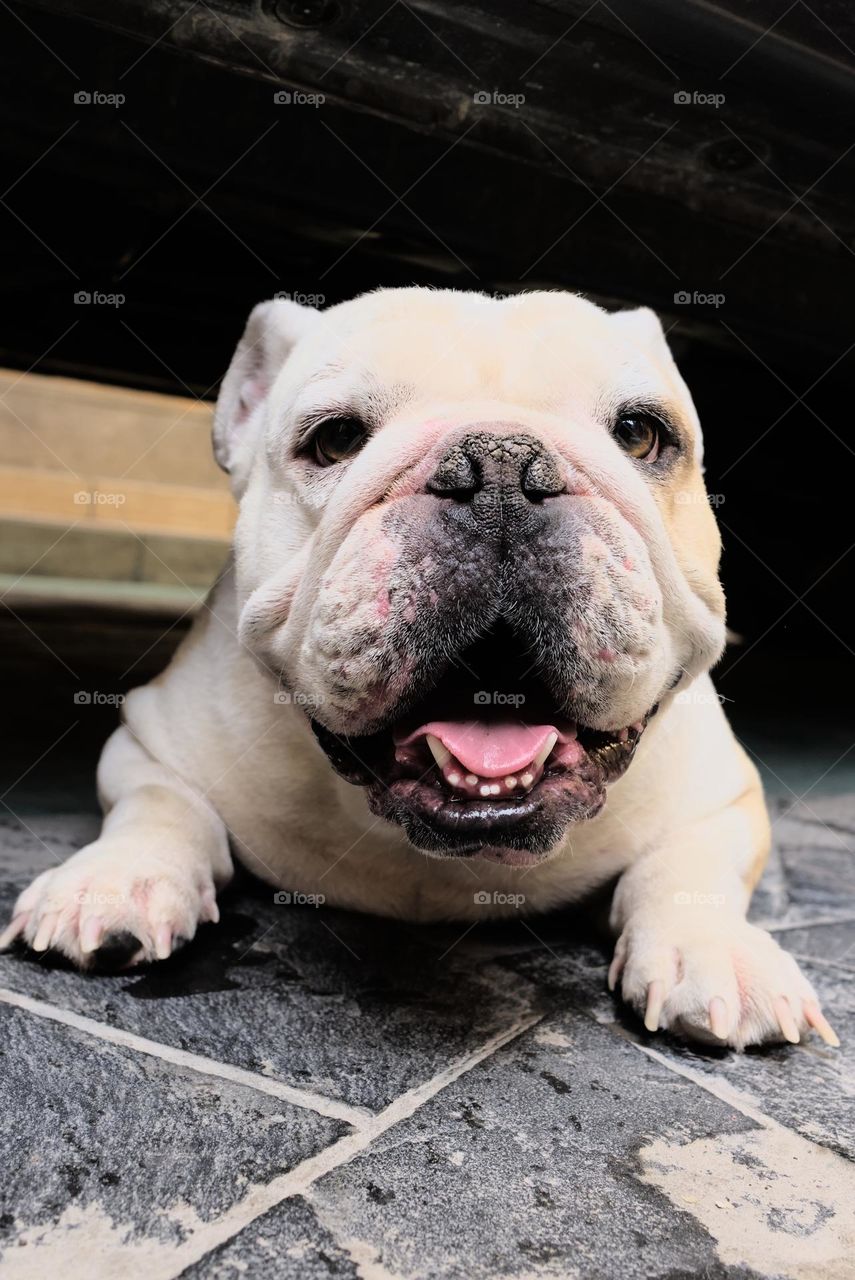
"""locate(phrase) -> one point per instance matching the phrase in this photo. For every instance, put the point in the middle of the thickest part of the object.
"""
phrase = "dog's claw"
(13, 930)
(615, 969)
(719, 1020)
(816, 1018)
(210, 911)
(786, 1021)
(45, 931)
(91, 934)
(655, 1001)
(162, 941)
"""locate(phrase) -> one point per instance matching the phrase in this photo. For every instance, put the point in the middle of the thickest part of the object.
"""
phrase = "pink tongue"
(491, 750)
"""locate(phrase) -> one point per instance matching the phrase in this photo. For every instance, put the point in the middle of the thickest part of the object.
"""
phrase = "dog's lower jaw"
(532, 825)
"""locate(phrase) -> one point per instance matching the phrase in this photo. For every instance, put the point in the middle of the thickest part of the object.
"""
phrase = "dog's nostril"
(541, 478)
(455, 477)
(510, 465)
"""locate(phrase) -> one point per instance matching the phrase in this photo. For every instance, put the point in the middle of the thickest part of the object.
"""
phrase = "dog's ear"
(642, 328)
(272, 331)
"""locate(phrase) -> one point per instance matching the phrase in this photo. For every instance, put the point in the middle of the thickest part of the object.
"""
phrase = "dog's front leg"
(687, 959)
(152, 875)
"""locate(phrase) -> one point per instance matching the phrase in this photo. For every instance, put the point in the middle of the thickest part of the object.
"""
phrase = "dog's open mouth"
(485, 762)
(504, 758)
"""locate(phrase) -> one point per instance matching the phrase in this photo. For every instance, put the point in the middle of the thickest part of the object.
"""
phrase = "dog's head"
(474, 547)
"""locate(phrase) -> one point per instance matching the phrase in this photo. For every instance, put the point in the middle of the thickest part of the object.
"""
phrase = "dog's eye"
(337, 439)
(638, 434)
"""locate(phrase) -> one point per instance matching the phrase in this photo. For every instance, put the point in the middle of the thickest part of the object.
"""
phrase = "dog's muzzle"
(516, 609)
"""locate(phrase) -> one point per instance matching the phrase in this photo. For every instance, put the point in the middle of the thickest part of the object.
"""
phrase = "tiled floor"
(304, 1093)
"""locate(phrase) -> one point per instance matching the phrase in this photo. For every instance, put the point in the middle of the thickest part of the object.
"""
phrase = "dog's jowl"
(457, 662)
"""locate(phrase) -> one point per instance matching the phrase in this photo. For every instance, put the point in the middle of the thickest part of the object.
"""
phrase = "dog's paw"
(721, 981)
(112, 898)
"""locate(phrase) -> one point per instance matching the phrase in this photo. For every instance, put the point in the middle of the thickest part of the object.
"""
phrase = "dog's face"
(474, 545)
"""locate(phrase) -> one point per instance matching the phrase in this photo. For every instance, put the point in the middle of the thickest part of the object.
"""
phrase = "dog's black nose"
(516, 464)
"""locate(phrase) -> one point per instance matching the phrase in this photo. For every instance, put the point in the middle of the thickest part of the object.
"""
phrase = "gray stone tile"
(356, 1008)
(809, 1087)
(527, 1166)
(288, 1242)
(816, 844)
(810, 876)
(569, 1153)
(832, 945)
(44, 842)
(114, 1158)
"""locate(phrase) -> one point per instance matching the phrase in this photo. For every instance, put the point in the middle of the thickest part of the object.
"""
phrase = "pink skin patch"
(383, 556)
(383, 604)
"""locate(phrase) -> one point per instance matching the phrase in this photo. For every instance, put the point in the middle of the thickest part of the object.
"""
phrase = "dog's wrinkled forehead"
(547, 351)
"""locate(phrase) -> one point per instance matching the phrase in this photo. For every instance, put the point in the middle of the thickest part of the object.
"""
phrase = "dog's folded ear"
(272, 331)
(642, 328)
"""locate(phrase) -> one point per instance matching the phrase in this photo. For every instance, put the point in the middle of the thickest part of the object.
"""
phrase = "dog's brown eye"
(337, 439)
(638, 435)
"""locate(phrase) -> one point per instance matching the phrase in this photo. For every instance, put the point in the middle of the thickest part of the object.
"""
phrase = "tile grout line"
(723, 1090)
(838, 964)
(823, 922)
(263, 1197)
(358, 1117)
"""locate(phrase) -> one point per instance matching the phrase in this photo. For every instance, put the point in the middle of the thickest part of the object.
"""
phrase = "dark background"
(200, 195)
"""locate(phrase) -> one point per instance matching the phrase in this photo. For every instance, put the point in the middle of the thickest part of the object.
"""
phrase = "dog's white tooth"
(544, 751)
(453, 778)
(494, 788)
(485, 790)
(440, 753)
(471, 780)
(527, 779)
(510, 782)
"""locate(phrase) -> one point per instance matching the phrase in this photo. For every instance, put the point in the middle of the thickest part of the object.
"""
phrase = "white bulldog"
(459, 656)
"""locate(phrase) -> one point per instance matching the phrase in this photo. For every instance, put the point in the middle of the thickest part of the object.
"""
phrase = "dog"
(457, 662)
